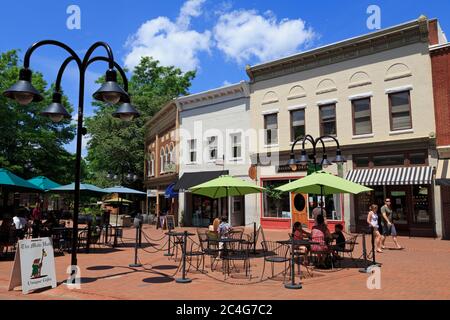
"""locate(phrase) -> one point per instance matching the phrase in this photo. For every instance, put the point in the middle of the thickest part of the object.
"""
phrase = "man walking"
(387, 225)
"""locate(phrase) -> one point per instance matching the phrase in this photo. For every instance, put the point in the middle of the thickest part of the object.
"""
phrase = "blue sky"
(218, 38)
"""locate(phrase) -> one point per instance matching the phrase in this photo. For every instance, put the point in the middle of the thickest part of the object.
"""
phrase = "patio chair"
(237, 251)
(275, 252)
(209, 246)
(252, 238)
(346, 248)
(9, 239)
(194, 250)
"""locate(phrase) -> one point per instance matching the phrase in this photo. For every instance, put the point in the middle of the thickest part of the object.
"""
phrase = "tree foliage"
(118, 147)
(30, 144)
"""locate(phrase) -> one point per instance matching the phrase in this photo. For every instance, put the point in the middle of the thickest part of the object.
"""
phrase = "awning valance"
(443, 173)
(392, 176)
(190, 179)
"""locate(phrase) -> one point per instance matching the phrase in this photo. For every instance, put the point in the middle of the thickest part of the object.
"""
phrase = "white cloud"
(172, 43)
(244, 35)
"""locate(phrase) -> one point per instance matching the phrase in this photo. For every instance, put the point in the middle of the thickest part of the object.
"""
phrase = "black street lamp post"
(110, 92)
(305, 159)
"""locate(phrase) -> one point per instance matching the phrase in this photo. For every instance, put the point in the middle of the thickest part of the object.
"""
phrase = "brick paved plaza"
(421, 271)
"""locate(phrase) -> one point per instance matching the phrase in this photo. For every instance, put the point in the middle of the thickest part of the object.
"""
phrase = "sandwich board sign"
(34, 265)
(170, 222)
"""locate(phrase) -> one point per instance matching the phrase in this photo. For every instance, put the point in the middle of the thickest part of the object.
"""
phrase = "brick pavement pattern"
(421, 271)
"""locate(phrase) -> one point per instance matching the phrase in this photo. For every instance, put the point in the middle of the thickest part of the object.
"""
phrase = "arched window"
(172, 154)
(166, 159)
(162, 164)
(151, 165)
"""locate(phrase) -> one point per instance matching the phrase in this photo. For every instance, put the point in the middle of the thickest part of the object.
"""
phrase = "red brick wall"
(440, 61)
(433, 32)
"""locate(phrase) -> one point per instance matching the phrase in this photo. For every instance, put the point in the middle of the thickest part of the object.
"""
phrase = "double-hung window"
(271, 128)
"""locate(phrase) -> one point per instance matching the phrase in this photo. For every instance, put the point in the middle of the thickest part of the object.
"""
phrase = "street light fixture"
(24, 93)
(305, 159)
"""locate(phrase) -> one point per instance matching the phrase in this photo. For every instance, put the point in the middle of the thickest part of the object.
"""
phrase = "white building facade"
(213, 141)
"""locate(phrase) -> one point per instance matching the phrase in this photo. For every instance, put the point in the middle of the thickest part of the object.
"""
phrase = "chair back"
(350, 244)
(274, 249)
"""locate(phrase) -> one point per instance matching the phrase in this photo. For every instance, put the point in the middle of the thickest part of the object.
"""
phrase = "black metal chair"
(194, 250)
(237, 251)
(346, 247)
(275, 252)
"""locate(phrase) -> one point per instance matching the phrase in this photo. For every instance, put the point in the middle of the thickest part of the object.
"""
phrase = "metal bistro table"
(184, 236)
(293, 243)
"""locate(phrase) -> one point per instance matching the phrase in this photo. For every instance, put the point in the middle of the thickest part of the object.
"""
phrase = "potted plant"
(276, 196)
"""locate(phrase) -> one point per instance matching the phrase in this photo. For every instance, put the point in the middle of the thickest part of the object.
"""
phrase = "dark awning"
(190, 179)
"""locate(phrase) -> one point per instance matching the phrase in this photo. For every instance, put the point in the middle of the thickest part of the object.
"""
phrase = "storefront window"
(332, 206)
(417, 158)
(421, 204)
(389, 160)
(362, 162)
(204, 211)
(276, 204)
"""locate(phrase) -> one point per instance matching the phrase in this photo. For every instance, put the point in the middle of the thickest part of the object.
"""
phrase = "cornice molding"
(391, 38)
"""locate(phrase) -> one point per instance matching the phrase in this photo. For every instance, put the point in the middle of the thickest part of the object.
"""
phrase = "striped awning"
(443, 173)
(392, 176)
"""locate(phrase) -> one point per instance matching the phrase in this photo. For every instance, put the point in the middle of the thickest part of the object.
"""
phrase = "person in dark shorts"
(388, 228)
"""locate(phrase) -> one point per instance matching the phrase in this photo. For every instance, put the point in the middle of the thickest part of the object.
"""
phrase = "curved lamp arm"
(92, 49)
(26, 60)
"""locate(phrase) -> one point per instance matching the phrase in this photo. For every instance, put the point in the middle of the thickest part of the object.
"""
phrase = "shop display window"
(421, 204)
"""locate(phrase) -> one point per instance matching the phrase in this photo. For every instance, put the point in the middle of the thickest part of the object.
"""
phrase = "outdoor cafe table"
(292, 242)
(178, 235)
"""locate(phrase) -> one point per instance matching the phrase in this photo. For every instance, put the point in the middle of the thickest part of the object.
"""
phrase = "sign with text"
(170, 222)
(34, 265)
(152, 193)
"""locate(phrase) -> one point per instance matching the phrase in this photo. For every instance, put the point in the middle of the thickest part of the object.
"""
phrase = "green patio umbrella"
(323, 183)
(43, 183)
(225, 186)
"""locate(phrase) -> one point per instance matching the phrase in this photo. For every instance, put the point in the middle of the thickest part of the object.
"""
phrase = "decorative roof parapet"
(386, 39)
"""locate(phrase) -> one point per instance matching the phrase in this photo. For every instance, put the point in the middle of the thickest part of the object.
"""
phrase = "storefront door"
(401, 212)
(237, 214)
(299, 208)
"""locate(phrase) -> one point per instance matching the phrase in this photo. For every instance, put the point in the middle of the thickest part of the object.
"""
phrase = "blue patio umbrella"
(85, 189)
(123, 190)
(43, 183)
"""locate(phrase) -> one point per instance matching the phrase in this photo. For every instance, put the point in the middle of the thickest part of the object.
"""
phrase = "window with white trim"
(271, 128)
(162, 159)
(212, 148)
(400, 110)
(236, 145)
(192, 147)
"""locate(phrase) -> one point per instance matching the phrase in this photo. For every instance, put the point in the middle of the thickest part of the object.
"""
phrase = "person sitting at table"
(338, 235)
(49, 224)
(21, 225)
(224, 228)
(322, 235)
(299, 234)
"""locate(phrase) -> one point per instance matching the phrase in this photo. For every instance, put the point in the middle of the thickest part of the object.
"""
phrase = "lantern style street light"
(306, 159)
(110, 92)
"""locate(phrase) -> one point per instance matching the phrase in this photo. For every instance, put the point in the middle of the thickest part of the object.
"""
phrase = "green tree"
(117, 146)
(31, 144)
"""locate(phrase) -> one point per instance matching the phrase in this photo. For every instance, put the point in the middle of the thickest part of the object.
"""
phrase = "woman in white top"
(372, 220)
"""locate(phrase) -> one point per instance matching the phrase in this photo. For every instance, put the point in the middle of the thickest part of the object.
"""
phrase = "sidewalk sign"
(34, 265)
(170, 222)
